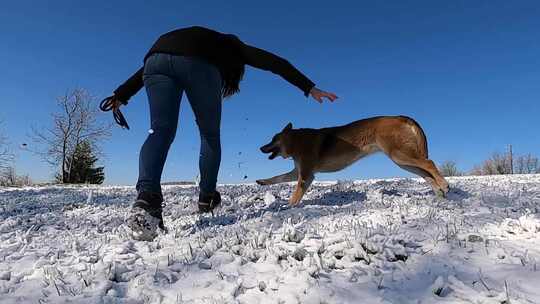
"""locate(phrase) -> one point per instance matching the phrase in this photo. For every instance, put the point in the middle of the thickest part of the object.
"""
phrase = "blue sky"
(467, 71)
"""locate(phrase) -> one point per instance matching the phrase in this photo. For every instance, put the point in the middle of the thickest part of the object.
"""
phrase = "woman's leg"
(203, 89)
(164, 97)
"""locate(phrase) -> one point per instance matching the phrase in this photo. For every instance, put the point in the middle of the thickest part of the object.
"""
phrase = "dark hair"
(231, 65)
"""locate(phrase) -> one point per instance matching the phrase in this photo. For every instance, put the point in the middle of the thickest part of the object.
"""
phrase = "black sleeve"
(130, 87)
(267, 61)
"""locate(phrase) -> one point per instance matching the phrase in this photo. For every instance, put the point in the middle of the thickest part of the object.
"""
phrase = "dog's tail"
(423, 137)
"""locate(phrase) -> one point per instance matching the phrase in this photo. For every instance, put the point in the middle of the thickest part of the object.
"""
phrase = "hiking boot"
(146, 216)
(208, 202)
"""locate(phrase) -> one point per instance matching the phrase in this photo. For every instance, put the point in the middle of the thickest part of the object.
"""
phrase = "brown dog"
(332, 149)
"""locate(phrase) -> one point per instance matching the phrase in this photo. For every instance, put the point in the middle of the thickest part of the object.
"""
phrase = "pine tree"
(82, 169)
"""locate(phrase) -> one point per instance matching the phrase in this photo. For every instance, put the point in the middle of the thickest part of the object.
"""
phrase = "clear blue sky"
(468, 71)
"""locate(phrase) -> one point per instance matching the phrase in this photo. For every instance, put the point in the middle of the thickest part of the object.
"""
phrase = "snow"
(374, 241)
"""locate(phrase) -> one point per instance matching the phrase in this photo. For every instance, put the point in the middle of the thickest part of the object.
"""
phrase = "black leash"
(107, 105)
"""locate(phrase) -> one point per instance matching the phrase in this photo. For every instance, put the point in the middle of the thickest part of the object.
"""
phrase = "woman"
(207, 65)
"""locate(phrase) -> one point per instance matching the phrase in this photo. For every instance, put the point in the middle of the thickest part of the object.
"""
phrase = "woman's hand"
(318, 95)
(112, 103)
(116, 104)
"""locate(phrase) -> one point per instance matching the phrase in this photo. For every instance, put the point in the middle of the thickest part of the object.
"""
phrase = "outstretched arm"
(130, 87)
(267, 61)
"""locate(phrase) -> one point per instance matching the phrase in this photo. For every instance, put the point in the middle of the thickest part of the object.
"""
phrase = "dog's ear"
(288, 127)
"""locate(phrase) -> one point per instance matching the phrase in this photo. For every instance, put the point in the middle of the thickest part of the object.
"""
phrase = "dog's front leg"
(283, 178)
(305, 178)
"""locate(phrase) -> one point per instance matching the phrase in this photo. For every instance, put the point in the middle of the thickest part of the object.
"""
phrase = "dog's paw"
(446, 189)
(440, 193)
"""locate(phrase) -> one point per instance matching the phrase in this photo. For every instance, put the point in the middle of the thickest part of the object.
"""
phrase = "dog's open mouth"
(274, 154)
(273, 150)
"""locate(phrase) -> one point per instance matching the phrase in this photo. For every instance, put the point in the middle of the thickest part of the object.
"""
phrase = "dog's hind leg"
(283, 178)
(424, 174)
(429, 166)
(424, 168)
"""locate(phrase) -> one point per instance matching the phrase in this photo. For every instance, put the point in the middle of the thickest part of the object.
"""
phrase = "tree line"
(496, 164)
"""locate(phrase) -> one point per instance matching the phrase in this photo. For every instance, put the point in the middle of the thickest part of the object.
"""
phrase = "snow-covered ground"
(375, 241)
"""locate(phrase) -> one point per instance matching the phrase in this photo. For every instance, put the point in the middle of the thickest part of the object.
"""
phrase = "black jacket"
(202, 42)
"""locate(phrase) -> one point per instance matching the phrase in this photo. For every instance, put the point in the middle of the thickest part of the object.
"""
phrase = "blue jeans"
(166, 77)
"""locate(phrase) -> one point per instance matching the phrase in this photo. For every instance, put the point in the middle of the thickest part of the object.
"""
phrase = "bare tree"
(501, 163)
(449, 168)
(6, 157)
(496, 164)
(9, 178)
(76, 122)
(526, 164)
(507, 163)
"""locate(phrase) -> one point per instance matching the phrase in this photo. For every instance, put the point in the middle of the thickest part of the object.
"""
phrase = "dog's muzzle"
(274, 150)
